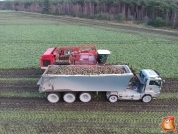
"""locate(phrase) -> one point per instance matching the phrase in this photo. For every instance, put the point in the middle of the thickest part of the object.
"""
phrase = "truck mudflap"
(40, 86)
(39, 82)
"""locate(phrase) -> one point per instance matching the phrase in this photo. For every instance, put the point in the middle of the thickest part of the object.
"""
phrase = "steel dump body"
(77, 83)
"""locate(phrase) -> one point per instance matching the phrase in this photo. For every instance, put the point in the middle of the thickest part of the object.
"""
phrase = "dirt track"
(172, 35)
(94, 105)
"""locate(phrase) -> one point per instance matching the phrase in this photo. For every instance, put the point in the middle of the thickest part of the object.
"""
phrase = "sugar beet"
(86, 70)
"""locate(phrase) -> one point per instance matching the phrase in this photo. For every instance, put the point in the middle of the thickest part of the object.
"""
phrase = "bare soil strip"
(21, 73)
(95, 105)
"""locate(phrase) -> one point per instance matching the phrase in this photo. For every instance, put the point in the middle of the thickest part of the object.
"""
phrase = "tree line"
(151, 12)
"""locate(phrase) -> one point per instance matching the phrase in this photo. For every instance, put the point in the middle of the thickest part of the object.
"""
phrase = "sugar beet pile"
(86, 70)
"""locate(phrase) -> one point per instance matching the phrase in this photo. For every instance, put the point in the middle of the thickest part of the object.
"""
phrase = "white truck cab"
(151, 81)
(146, 87)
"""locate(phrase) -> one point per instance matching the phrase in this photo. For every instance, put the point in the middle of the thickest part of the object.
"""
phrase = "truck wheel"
(146, 98)
(113, 98)
(85, 97)
(53, 97)
(69, 97)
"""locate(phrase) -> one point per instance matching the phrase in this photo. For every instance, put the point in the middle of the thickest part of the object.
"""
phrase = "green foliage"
(27, 4)
(130, 18)
(158, 22)
(57, 12)
(46, 8)
(120, 17)
(107, 17)
(8, 5)
(151, 8)
(67, 119)
(92, 16)
(100, 16)
(16, 9)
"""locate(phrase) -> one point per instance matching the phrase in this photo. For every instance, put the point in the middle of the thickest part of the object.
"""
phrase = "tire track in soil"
(48, 127)
(21, 73)
(30, 86)
(159, 105)
(19, 89)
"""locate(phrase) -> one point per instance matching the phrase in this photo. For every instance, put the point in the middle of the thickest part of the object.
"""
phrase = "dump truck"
(83, 54)
(118, 82)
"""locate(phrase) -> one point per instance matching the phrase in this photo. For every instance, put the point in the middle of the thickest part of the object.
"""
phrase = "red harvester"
(73, 55)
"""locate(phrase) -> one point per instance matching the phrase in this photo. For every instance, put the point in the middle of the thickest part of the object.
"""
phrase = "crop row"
(37, 121)
(71, 127)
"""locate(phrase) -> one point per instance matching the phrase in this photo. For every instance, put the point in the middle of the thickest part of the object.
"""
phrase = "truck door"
(154, 85)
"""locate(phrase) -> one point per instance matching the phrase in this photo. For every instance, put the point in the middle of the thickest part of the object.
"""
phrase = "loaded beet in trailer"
(117, 81)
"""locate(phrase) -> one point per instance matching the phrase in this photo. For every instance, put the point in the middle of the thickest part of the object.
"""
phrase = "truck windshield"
(155, 82)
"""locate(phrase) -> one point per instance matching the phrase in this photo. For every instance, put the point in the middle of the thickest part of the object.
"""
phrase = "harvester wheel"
(85, 97)
(53, 97)
(69, 97)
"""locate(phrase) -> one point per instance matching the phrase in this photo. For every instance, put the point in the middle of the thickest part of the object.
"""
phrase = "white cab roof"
(150, 73)
(101, 51)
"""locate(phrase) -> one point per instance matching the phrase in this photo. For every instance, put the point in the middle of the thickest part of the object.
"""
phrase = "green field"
(24, 37)
(23, 110)
(112, 118)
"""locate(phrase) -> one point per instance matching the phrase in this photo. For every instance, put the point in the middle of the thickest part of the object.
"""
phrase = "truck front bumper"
(156, 95)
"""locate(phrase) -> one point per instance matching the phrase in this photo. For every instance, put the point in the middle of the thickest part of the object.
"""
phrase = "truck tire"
(85, 97)
(113, 98)
(53, 97)
(69, 97)
(146, 98)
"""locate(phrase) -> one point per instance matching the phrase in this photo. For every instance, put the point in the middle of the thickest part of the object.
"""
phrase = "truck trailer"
(120, 84)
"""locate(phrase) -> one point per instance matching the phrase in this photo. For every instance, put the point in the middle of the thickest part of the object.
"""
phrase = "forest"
(152, 12)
